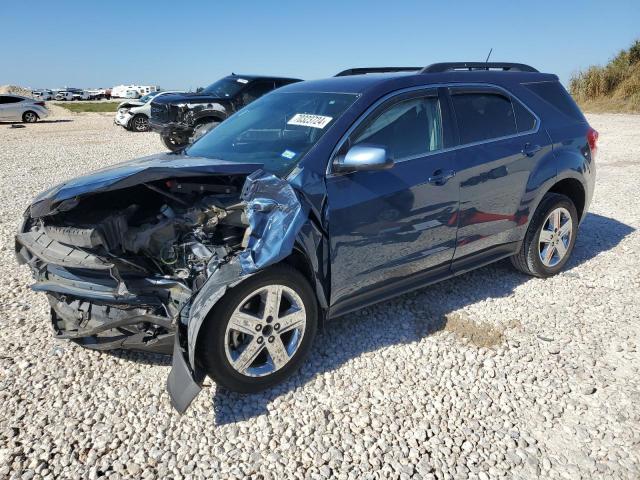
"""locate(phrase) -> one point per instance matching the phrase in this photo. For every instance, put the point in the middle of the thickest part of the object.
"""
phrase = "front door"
(387, 226)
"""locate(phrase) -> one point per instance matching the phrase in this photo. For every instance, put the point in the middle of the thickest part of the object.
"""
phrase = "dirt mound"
(15, 90)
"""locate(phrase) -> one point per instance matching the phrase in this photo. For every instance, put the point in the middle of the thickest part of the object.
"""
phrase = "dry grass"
(81, 107)
(612, 88)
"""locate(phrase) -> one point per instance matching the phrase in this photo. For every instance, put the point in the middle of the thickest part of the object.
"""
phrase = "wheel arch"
(301, 262)
(574, 189)
(208, 116)
(30, 111)
(138, 114)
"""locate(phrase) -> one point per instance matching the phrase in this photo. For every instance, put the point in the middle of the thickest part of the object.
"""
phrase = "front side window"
(407, 129)
(256, 90)
(226, 87)
(275, 131)
(483, 116)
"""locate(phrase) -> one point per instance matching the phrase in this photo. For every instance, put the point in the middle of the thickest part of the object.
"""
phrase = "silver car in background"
(15, 108)
(134, 114)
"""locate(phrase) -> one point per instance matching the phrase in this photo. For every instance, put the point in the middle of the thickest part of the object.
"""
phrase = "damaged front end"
(138, 258)
(120, 266)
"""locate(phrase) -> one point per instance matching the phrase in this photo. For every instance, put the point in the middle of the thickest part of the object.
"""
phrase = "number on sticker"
(309, 120)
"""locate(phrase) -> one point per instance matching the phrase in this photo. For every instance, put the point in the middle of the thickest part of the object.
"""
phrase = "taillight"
(40, 103)
(592, 140)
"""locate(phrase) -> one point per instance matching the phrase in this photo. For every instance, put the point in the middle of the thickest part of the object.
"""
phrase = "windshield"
(226, 87)
(148, 97)
(276, 130)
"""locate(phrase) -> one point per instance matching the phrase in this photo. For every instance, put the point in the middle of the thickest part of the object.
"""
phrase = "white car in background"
(43, 94)
(81, 95)
(64, 96)
(134, 114)
(15, 108)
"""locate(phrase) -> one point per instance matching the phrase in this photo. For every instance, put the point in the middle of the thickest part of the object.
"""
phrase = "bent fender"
(276, 216)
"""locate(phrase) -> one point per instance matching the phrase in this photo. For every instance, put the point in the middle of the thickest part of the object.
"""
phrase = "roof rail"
(470, 66)
(362, 71)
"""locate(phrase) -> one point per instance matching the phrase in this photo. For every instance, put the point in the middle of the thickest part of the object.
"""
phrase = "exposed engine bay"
(120, 266)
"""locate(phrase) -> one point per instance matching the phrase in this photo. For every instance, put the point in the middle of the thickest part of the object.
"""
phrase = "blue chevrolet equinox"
(315, 200)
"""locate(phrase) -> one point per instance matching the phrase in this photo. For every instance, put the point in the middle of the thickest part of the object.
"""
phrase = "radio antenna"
(487, 60)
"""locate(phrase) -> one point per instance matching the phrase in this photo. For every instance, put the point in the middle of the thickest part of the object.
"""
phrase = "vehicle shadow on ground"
(60, 120)
(419, 314)
(25, 125)
(146, 358)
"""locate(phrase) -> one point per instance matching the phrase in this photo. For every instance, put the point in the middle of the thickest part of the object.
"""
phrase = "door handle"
(440, 177)
(530, 150)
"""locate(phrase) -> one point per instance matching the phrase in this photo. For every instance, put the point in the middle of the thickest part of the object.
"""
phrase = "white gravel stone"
(386, 392)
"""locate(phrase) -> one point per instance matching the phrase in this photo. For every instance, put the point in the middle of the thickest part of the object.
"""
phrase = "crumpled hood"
(135, 172)
(130, 104)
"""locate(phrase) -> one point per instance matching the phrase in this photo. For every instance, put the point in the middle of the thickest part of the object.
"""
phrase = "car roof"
(265, 77)
(361, 84)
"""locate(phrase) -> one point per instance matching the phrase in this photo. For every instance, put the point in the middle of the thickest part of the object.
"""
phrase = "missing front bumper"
(107, 327)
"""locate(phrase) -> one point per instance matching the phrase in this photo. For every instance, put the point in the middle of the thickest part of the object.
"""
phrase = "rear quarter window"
(525, 120)
(554, 94)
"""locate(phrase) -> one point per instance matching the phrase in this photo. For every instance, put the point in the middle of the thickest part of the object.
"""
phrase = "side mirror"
(363, 157)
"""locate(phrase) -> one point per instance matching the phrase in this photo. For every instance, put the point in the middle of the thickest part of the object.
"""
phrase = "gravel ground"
(487, 375)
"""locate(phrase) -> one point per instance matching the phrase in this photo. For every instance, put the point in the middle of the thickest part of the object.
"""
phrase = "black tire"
(528, 260)
(29, 117)
(203, 128)
(212, 339)
(139, 123)
(175, 142)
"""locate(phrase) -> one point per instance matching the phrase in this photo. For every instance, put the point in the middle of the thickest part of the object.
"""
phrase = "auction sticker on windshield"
(308, 120)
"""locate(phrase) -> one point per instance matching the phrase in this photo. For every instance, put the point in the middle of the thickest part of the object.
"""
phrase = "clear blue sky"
(192, 43)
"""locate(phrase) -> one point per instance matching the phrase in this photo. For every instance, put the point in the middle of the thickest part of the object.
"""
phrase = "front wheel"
(201, 129)
(175, 141)
(260, 331)
(29, 117)
(550, 237)
(140, 123)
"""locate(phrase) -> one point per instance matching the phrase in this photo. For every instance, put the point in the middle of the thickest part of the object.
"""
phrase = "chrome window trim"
(377, 103)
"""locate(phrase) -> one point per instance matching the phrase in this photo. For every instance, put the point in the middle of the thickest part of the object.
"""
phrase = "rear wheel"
(550, 237)
(260, 331)
(140, 123)
(29, 117)
(175, 141)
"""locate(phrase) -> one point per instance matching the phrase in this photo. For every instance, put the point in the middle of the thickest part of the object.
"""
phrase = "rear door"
(500, 143)
(391, 226)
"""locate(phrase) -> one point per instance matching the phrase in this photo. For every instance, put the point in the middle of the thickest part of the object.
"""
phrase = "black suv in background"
(182, 118)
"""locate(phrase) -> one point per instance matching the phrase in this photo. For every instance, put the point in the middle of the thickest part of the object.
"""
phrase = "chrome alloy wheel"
(30, 117)
(265, 331)
(555, 237)
(140, 124)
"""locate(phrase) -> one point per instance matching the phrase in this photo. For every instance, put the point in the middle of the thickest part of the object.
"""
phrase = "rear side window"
(483, 116)
(555, 94)
(408, 128)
